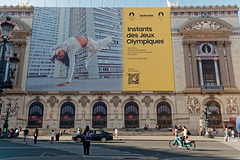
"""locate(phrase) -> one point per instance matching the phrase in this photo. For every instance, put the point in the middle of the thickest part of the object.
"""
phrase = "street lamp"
(7, 28)
(6, 75)
(206, 114)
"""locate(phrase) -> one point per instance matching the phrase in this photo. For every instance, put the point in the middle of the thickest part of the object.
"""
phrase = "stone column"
(222, 64)
(230, 63)
(20, 67)
(216, 72)
(194, 65)
(200, 71)
(187, 65)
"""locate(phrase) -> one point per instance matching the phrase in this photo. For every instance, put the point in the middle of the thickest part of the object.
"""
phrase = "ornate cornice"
(206, 25)
(205, 8)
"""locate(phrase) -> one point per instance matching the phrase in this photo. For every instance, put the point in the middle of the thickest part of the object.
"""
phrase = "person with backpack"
(86, 141)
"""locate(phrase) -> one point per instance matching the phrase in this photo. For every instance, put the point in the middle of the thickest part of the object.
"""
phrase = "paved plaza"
(124, 147)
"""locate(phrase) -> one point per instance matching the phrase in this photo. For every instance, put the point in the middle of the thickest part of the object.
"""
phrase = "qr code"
(133, 78)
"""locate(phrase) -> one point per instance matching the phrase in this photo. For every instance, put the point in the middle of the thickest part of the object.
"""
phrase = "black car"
(97, 135)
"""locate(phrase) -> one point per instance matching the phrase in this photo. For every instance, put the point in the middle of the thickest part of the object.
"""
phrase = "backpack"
(188, 132)
(88, 136)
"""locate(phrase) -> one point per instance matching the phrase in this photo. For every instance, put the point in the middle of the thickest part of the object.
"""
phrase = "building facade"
(206, 62)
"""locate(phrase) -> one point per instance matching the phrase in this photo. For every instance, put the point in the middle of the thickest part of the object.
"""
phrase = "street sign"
(33, 117)
(130, 116)
(65, 116)
(98, 116)
(232, 119)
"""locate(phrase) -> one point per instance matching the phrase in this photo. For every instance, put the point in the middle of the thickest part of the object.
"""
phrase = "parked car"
(97, 135)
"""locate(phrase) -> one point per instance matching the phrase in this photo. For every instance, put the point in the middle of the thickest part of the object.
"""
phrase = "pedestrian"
(145, 127)
(0, 131)
(226, 135)
(116, 132)
(173, 131)
(232, 134)
(176, 131)
(35, 136)
(26, 131)
(66, 51)
(79, 130)
(86, 141)
(201, 131)
(52, 136)
(57, 136)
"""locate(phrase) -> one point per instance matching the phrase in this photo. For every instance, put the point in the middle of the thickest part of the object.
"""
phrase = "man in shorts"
(25, 135)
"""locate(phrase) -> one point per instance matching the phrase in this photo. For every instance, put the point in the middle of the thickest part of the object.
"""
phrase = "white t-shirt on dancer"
(70, 46)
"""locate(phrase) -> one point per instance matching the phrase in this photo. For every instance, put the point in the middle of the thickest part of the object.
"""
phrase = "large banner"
(147, 50)
(100, 49)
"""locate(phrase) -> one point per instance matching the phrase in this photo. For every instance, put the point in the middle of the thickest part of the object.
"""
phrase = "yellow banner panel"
(147, 50)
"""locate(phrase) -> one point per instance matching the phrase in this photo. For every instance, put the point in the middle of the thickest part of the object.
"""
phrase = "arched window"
(164, 115)
(35, 115)
(215, 119)
(67, 115)
(131, 115)
(99, 115)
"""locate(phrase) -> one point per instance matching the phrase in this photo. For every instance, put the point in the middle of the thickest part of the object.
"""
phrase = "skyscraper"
(98, 23)
(50, 26)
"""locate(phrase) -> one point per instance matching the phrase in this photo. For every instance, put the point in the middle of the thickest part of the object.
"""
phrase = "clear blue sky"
(118, 3)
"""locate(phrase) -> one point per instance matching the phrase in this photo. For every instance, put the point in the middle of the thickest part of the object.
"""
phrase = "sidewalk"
(68, 138)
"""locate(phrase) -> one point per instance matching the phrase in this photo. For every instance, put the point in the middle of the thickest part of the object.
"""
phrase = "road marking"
(43, 154)
(156, 155)
(122, 157)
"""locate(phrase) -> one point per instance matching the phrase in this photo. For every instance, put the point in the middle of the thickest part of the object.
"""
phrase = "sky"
(117, 3)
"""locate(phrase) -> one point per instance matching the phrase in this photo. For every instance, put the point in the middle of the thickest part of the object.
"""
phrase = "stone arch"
(131, 114)
(99, 100)
(25, 113)
(19, 25)
(205, 24)
(215, 119)
(164, 113)
(67, 114)
(99, 114)
(35, 115)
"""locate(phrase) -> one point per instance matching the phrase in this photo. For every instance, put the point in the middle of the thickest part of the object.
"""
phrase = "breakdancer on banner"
(65, 52)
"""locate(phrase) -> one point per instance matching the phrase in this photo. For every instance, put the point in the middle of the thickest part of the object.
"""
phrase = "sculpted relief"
(232, 105)
(206, 25)
(193, 105)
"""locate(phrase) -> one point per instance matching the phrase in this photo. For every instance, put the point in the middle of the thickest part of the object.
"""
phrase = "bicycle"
(177, 142)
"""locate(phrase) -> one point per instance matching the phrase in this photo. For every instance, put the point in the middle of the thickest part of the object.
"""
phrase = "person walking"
(226, 135)
(86, 141)
(35, 136)
(66, 51)
(116, 132)
(176, 131)
(79, 130)
(232, 134)
(57, 136)
(52, 136)
(26, 131)
(201, 131)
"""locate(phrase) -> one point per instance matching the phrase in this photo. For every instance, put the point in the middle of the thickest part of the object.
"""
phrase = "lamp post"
(5, 75)
(7, 28)
(206, 114)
